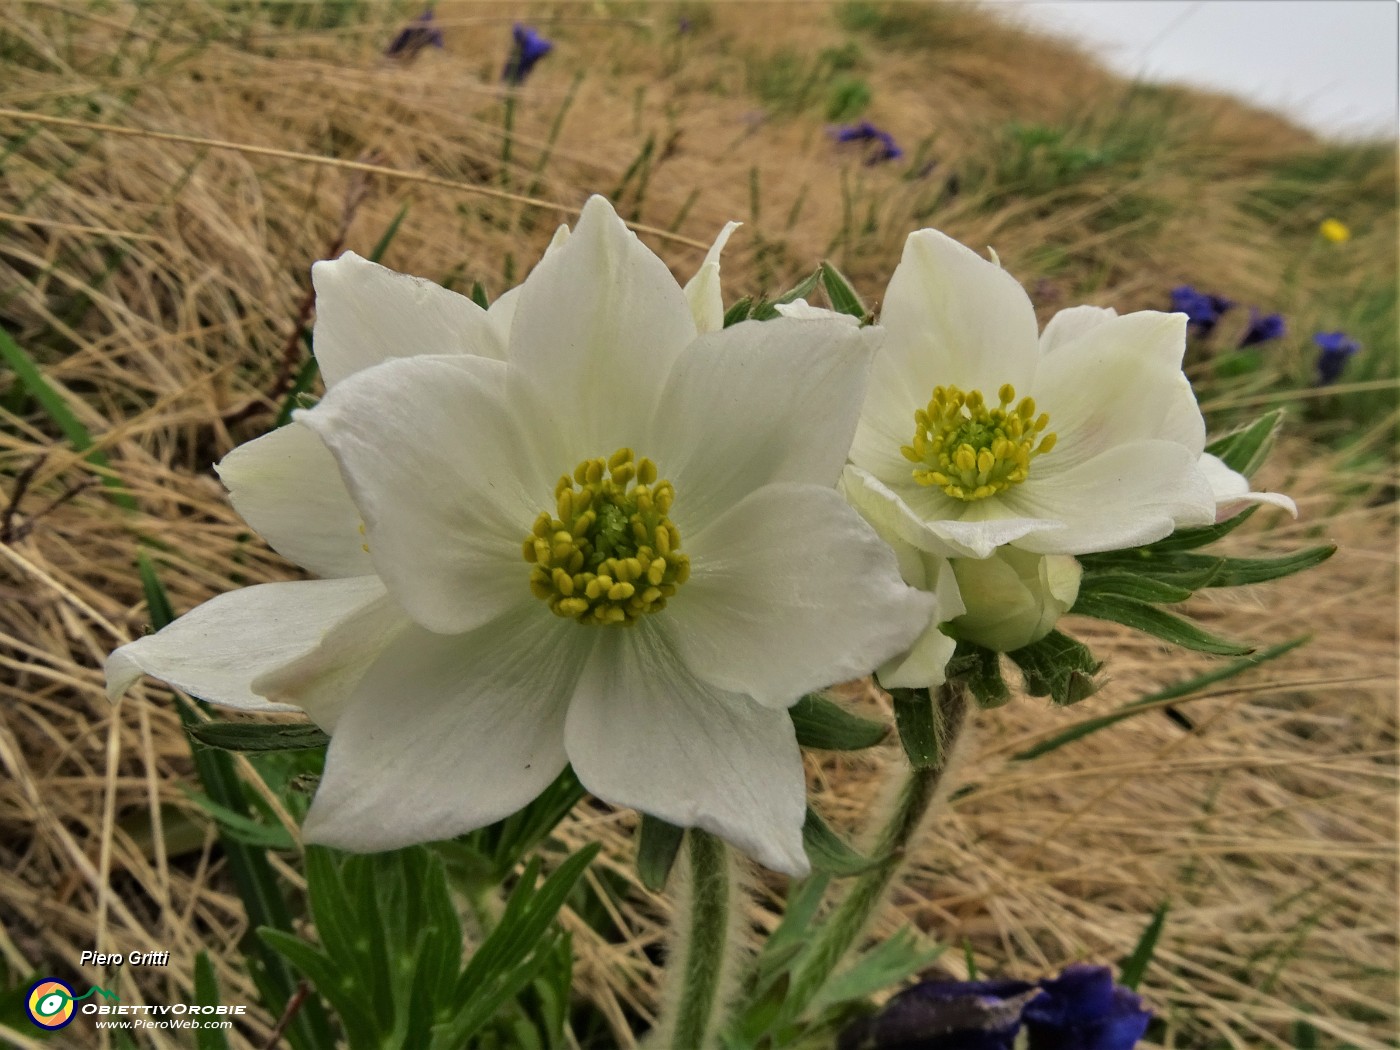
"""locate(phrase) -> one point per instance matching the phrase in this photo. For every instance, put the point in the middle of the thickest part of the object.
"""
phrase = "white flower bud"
(1014, 597)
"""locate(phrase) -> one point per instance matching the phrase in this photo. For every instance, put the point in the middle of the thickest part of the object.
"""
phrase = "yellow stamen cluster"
(972, 451)
(609, 553)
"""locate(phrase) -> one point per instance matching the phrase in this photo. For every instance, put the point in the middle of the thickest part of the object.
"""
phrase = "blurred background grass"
(169, 172)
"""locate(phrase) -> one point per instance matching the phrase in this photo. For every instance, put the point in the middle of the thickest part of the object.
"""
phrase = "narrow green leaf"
(296, 394)
(244, 829)
(329, 980)
(969, 959)
(1127, 585)
(1151, 620)
(1245, 450)
(52, 402)
(843, 298)
(1148, 703)
(914, 718)
(804, 900)
(478, 295)
(657, 845)
(1059, 667)
(824, 724)
(390, 232)
(1135, 965)
(889, 963)
(766, 309)
(260, 736)
(206, 993)
(1241, 572)
(829, 852)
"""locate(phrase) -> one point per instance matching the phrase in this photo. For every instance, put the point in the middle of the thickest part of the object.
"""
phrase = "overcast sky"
(1329, 64)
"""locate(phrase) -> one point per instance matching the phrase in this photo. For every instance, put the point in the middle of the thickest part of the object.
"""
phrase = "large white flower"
(977, 431)
(590, 535)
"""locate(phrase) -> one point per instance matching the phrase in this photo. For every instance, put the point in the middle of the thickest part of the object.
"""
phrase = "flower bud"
(1014, 597)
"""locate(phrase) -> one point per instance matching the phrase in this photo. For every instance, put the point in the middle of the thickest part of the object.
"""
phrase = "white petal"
(322, 680)
(923, 666)
(598, 325)
(1068, 325)
(702, 290)
(217, 650)
(286, 485)
(951, 318)
(446, 734)
(790, 592)
(1231, 490)
(367, 313)
(1119, 381)
(1127, 496)
(501, 313)
(801, 310)
(892, 514)
(446, 480)
(644, 732)
(756, 403)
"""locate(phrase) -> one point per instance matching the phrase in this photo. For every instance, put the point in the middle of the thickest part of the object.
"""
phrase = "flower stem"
(705, 952)
(839, 932)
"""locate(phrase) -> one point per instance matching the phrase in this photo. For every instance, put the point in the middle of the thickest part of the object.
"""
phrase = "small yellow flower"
(1335, 231)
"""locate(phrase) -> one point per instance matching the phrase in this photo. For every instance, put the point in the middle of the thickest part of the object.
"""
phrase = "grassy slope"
(155, 282)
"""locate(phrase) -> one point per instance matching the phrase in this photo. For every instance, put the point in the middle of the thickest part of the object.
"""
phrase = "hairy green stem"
(839, 932)
(705, 953)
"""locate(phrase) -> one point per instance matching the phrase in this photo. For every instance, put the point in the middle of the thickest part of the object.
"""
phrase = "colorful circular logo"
(50, 1004)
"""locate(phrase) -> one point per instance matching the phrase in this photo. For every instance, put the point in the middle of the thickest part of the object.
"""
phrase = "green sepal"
(1150, 620)
(980, 669)
(1058, 667)
(914, 718)
(259, 736)
(658, 843)
(830, 853)
(827, 726)
(767, 309)
(843, 298)
(1246, 449)
(738, 311)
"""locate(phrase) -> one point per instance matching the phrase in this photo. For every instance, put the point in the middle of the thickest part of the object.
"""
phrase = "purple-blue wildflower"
(1082, 1009)
(1336, 348)
(884, 147)
(528, 48)
(415, 36)
(1202, 309)
(1262, 328)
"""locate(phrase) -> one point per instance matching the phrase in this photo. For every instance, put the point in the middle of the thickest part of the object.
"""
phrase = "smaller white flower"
(1014, 597)
(978, 432)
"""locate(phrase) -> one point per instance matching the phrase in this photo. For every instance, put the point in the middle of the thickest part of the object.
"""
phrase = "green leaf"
(1150, 620)
(914, 717)
(1128, 585)
(1245, 450)
(1058, 667)
(157, 602)
(390, 232)
(52, 402)
(244, 829)
(1304, 1036)
(260, 736)
(478, 295)
(843, 298)
(980, 669)
(824, 724)
(206, 993)
(657, 845)
(766, 309)
(1135, 965)
(1185, 539)
(738, 312)
(1148, 703)
(890, 962)
(1240, 572)
(306, 375)
(829, 852)
(507, 841)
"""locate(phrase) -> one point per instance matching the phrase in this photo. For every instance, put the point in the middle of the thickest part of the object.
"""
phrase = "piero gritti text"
(129, 959)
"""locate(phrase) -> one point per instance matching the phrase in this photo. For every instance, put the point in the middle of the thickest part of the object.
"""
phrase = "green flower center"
(609, 553)
(972, 451)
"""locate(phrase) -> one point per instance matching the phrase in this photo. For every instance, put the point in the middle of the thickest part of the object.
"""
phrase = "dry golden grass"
(172, 170)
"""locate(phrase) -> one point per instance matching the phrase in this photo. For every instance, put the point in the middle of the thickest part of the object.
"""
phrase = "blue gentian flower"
(1202, 309)
(885, 147)
(529, 48)
(1262, 328)
(415, 36)
(1336, 348)
(1082, 1009)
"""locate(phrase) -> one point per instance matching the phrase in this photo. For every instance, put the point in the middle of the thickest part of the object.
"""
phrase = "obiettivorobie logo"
(50, 1003)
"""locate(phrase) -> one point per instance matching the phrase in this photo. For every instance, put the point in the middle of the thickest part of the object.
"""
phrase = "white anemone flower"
(978, 431)
(617, 546)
